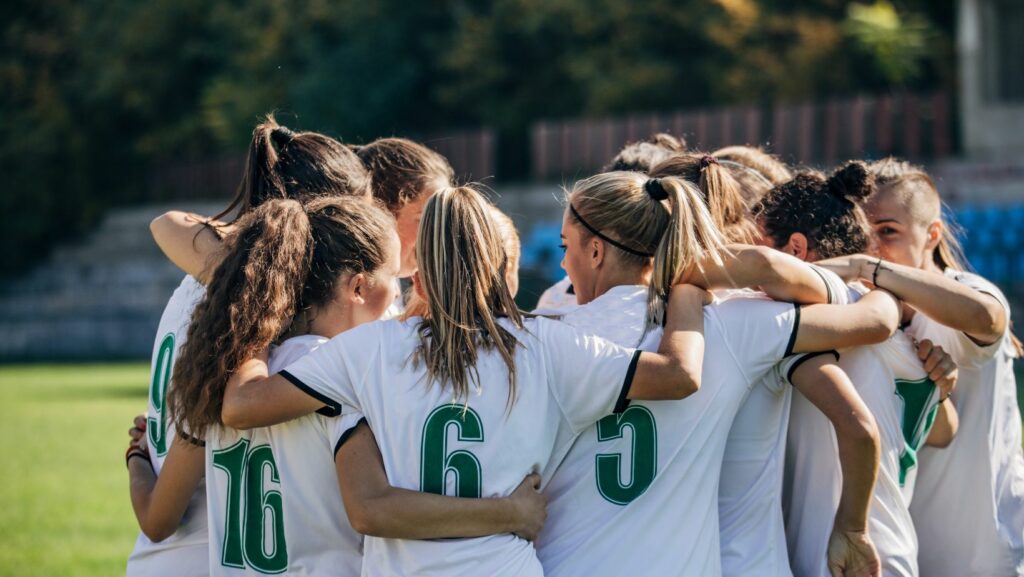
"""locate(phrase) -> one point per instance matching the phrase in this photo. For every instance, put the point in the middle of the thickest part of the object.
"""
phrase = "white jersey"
(397, 307)
(893, 385)
(183, 554)
(274, 502)
(969, 501)
(753, 537)
(560, 298)
(638, 491)
(432, 443)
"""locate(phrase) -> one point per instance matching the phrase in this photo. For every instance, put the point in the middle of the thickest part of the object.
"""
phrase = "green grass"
(64, 507)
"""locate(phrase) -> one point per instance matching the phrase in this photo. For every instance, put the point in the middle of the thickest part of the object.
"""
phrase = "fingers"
(533, 480)
(140, 422)
(924, 349)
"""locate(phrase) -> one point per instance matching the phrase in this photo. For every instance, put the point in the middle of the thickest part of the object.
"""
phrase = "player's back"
(184, 553)
(892, 383)
(478, 447)
(274, 503)
(640, 489)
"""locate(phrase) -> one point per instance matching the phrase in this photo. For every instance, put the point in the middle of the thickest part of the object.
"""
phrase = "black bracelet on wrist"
(140, 454)
(874, 275)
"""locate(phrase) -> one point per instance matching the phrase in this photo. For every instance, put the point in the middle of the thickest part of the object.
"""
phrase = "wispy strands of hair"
(458, 244)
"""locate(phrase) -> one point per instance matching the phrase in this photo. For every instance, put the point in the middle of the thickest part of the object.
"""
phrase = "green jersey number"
(918, 419)
(249, 504)
(435, 460)
(644, 464)
(156, 425)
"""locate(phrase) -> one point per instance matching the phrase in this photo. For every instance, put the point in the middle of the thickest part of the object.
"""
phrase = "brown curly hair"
(284, 259)
(825, 210)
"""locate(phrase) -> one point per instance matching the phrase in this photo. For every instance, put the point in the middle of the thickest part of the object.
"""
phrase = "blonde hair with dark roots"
(283, 259)
(916, 189)
(678, 231)
(755, 170)
(462, 266)
(722, 193)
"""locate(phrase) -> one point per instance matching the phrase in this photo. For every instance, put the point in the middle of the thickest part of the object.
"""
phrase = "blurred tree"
(97, 90)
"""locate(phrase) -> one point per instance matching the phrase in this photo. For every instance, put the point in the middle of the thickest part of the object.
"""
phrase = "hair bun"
(281, 136)
(853, 180)
(655, 189)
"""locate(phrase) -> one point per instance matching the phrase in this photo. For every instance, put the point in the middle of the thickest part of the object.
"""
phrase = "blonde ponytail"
(463, 263)
(629, 211)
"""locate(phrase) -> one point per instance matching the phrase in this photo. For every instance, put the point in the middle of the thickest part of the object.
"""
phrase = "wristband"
(134, 451)
(874, 275)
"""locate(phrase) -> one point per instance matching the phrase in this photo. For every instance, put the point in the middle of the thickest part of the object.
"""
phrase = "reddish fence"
(471, 153)
(821, 133)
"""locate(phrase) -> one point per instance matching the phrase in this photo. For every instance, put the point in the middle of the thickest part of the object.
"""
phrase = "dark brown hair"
(825, 210)
(721, 192)
(642, 155)
(284, 164)
(402, 170)
(283, 259)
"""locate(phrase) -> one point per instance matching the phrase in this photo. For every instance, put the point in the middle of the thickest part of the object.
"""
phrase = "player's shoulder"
(293, 349)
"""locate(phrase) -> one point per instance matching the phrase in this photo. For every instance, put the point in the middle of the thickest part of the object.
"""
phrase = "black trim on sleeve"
(803, 359)
(623, 402)
(331, 407)
(792, 336)
(344, 436)
(828, 287)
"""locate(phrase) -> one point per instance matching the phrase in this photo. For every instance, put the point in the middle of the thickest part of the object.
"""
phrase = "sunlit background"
(114, 111)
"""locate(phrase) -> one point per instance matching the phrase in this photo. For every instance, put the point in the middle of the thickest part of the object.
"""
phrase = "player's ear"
(355, 287)
(796, 246)
(596, 248)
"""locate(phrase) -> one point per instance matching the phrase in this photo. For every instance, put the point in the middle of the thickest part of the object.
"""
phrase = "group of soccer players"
(306, 418)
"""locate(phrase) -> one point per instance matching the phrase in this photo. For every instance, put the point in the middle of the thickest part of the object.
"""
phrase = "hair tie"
(655, 189)
(707, 160)
(281, 136)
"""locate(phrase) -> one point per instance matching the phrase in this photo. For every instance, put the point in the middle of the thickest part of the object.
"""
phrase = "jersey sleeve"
(341, 428)
(838, 292)
(334, 373)
(588, 376)
(760, 332)
(957, 344)
(786, 367)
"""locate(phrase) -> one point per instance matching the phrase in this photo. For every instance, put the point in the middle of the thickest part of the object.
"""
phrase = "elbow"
(860, 432)
(157, 531)
(764, 259)
(233, 415)
(687, 384)
(941, 441)
(991, 319)
(363, 519)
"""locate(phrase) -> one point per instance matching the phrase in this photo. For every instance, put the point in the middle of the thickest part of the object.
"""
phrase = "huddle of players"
(642, 423)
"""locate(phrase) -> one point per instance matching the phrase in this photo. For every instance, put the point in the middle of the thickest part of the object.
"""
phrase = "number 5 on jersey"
(249, 539)
(644, 462)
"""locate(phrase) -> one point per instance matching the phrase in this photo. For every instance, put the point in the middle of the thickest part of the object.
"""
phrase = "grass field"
(64, 508)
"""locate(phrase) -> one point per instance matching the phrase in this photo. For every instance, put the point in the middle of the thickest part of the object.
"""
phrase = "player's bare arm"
(981, 316)
(781, 276)
(376, 508)
(827, 386)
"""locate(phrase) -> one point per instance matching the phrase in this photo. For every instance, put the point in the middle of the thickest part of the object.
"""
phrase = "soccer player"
(813, 217)
(464, 402)
(969, 501)
(278, 166)
(631, 470)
